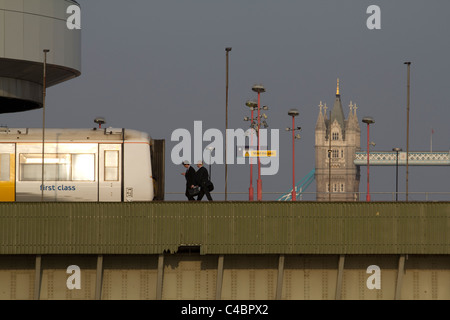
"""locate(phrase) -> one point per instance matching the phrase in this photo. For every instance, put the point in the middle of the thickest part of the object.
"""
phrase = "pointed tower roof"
(350, 112)
(351, 122)
(355, 118)
(337, 113)
(320, 124)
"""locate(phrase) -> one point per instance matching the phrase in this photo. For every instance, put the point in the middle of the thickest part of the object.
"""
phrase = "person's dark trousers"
(204, 190)
(190, 198)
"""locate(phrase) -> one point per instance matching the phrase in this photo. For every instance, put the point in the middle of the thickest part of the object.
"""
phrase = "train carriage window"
(4, 167)
(111, 165)
(83, 167)
(58, 167)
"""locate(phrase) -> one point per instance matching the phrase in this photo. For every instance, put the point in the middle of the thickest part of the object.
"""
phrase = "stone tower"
(337, 139)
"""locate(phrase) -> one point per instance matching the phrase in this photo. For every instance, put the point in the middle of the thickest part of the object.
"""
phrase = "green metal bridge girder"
(274, 227)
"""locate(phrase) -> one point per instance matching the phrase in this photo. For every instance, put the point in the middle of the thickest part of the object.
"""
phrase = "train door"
(110, 172)
(7, 172)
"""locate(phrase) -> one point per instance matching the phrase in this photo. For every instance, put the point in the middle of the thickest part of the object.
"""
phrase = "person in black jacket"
(190, 179)
(202, 176)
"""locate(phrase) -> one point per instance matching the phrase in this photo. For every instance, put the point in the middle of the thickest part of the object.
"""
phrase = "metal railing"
(311, 196)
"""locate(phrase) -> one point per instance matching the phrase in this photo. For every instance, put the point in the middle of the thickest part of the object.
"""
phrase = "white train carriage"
(79, 165)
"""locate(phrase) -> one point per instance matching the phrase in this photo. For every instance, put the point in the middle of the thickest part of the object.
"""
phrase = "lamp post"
(293, 113)
(407, 129)
(252, 105)
(44, 93)
(329, 157)
(210, 152)
(369, 121)
(259, 88)
(396, 172)
(228, 49)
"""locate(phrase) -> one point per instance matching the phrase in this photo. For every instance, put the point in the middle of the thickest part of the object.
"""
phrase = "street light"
(396, 172)
(369, 121)
(293, 113)
(407, 129)
(210, 152)
(228, 49)
(44, 93)
(252, 105)
(99, 121)
(329, 154)
(259, 88)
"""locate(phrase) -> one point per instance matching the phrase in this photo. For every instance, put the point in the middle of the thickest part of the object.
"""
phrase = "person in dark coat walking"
(190, 176)
(202, 176)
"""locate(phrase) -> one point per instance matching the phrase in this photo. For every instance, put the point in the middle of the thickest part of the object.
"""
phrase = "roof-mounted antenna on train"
(99, 121)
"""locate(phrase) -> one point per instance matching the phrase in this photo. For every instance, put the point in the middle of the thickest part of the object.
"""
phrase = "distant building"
(337, 139)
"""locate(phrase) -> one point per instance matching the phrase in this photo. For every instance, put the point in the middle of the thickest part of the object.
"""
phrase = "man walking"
(202, 177)
(190, 179)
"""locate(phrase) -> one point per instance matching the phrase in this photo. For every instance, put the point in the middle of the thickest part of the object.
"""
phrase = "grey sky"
(160, 65)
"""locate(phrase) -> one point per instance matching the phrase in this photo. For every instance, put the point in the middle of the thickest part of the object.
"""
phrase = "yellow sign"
(261, 153)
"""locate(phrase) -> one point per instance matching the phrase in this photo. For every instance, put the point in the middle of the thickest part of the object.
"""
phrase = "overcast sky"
(160, 65)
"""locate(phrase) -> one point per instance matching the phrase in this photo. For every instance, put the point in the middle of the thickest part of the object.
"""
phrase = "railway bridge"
(273, 250)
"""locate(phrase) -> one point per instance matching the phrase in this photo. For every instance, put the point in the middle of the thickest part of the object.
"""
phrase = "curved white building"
(27, 28)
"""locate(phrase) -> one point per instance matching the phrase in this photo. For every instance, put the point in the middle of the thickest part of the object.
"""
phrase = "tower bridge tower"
(336, 141)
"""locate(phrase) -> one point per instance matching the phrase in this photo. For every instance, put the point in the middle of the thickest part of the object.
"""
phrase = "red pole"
(250, 190)
(294, 193)
(368, 184)
(259, 182)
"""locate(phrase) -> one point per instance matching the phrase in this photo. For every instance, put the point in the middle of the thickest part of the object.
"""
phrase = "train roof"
(72, 134)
